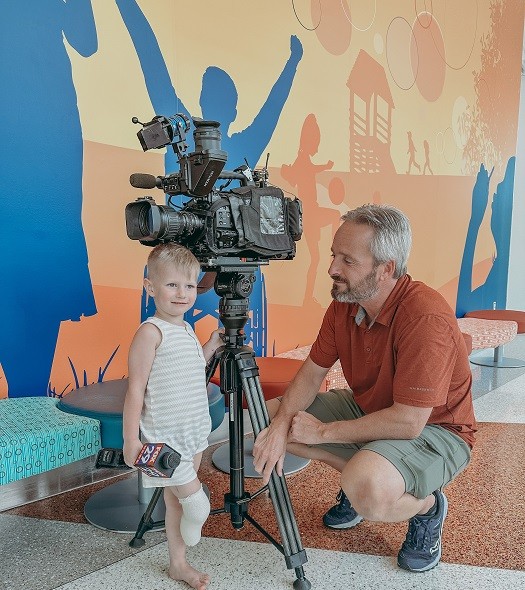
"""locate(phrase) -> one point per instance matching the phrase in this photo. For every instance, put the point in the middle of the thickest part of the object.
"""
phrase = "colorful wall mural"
(414, 104)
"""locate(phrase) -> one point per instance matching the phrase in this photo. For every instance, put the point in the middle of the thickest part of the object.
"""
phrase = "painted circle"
(334, 30)
(363, 15)
(303, 13)
(399, 40)
(424, 12)
(379, 44)
(336, 190)
(458, 25)
(427, 65)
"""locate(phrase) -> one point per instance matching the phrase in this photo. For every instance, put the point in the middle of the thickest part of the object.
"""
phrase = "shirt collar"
(389, 307)
(360, 315)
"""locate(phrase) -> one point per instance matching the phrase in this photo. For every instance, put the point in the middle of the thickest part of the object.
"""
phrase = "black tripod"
(239, 374)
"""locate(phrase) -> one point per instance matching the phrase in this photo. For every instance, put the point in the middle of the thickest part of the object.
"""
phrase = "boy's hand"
(131, 451)
(217, 338)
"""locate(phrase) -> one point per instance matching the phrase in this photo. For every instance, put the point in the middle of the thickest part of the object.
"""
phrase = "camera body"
(254, 221)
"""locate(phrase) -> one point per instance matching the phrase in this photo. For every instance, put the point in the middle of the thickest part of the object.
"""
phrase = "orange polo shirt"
(413, 354)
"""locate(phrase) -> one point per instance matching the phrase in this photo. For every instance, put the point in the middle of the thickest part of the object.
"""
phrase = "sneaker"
(342, 515)
(421, 550)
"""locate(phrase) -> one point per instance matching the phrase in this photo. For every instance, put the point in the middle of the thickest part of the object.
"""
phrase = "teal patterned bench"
(35, 436)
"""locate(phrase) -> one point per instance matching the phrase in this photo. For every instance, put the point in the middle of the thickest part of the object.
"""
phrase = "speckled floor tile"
(482, 499)
(480, 528)
(38, 554)
(506, 403)
(242, 565)
(486, 379)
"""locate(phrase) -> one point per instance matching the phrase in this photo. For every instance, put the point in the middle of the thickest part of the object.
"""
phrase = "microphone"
(139, 180)
(171, 184)
(154, 459)
(158, 460)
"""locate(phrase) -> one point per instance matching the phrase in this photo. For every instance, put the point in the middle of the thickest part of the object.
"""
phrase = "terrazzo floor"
(49, 544)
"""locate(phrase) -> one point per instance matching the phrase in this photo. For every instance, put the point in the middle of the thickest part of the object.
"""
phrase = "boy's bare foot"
(188, 574)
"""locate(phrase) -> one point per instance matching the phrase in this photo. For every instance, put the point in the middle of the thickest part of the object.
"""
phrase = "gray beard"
(363, 291)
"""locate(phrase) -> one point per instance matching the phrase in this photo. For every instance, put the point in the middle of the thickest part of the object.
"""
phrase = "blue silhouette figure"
(42, 246)
(494, 290)
(218, 102)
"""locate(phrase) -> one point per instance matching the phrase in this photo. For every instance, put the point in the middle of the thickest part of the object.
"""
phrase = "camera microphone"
(170, 184)
(139, 180)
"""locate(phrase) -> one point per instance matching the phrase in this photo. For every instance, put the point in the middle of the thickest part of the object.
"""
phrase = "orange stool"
(499, 315)
(275, 374)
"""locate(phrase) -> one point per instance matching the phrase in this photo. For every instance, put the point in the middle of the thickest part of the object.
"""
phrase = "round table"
(120, 506)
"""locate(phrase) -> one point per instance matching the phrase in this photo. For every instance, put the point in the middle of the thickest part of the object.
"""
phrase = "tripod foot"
(136, 542)
(302, 584)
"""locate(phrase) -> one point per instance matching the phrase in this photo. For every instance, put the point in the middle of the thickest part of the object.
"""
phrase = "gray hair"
(392, 234)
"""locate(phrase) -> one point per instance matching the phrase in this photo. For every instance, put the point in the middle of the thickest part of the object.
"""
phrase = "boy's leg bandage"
(195, 511)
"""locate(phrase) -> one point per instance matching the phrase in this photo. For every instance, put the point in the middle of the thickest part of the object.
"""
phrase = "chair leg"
(498, 361)
(498, 355)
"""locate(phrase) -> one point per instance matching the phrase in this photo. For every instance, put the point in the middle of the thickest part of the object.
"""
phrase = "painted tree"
(491, 123)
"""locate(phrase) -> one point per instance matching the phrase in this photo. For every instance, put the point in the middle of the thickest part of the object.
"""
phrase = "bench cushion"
(488, 333)
(35, 436)
(505, 315)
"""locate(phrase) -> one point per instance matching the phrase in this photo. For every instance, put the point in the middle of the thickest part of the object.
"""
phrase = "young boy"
(167, 400)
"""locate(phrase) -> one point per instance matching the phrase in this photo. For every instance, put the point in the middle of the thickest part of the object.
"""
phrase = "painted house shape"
(370, 118)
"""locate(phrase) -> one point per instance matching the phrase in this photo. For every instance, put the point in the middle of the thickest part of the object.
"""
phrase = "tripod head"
(234, 285)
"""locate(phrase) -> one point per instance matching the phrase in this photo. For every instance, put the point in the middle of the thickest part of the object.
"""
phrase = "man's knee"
(372, 484)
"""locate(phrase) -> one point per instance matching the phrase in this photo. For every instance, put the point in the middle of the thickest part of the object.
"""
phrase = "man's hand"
(306, 429)
(270, 445)
(269, 450)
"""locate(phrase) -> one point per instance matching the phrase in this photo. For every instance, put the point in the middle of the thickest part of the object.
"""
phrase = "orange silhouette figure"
(427, 158)
(301, 174)
(411, 151)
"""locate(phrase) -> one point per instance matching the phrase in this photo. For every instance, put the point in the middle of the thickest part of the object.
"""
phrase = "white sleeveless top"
(175, 408)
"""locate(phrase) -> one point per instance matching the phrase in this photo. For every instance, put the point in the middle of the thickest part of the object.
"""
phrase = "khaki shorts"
(426, 463)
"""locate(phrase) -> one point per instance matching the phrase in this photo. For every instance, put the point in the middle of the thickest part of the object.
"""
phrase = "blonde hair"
(171, 253)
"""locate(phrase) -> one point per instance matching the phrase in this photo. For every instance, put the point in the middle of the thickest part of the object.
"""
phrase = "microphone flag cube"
(157, 460)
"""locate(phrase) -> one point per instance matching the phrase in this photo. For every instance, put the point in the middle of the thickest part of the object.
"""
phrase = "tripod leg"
(146, 522)
(294, 554)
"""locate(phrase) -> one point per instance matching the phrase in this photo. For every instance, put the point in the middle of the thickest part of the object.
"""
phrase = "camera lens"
(148, 221)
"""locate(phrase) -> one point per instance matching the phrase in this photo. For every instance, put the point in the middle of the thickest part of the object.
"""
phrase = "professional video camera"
(253, 222)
